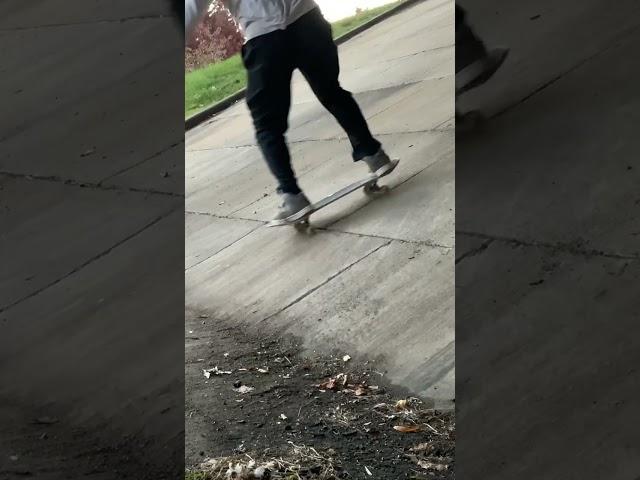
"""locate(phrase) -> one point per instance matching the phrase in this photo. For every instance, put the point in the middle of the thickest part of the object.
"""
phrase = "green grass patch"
(207, 85)
(347, 24)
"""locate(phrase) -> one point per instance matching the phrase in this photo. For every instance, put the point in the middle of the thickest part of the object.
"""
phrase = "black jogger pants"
(270, 60)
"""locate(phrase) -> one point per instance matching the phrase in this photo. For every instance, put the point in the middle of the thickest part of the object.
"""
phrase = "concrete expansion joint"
(475, 251)
(437, 129)
(88, 262)
(144, 160)
(424, 243)
(327, 281)
(560, 76)
(90, 185)
(562, 247)
(91, 22)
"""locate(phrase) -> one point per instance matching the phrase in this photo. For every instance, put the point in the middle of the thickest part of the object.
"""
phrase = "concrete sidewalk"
(377, 280)
(548, 220)
(91, 212)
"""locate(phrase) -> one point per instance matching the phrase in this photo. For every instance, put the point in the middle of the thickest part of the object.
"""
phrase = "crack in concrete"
(88, 22)
(614, 44)
(137, 164)
(87, 262)
(224, 217)
(329, 139)
(89, 185)
(564, 247)
(325, 282)
(475, 251)
(425, 243)
(223, 248)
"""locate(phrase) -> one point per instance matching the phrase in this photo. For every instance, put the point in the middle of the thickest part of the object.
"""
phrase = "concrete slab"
(397, 310)
(594, 27)
(58, 108)
(420, 209)
(100, 338)
(424, 26)
(267, 270)
(589, 168)
(205, 236)
(515, 324)
(78, 221)
(225, 181)
(426, 107)
(15, 14)
(162, 173)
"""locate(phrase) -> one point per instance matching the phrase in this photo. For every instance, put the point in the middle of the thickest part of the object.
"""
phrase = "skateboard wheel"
(374, 188)
(303, 227)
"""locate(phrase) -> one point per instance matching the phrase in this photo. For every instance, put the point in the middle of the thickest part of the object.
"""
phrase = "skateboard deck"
(369, 185)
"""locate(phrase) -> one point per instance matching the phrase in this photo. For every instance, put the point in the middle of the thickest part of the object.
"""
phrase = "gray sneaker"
(480, 70)
(380, 164)
(292, 204)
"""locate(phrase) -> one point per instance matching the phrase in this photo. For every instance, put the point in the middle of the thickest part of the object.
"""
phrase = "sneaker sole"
(386, 169)
(479, 72)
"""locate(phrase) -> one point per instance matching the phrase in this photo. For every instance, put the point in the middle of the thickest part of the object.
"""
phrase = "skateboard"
(369, 186)
(474, 118)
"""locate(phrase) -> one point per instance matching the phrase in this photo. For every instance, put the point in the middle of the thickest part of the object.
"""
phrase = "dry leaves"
(341, 383)
(439, 467)
(407, 428)
(401, 405)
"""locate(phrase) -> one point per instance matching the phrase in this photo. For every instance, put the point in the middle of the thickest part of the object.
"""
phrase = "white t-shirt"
(259, 17)
(256, 17)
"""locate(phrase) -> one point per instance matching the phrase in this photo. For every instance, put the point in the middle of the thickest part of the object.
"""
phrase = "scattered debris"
(299, 463)
(432, 466)
(88, 152)
(407, 428)
(215, 371)
(361, 390)
(244, 389)
(353, 417)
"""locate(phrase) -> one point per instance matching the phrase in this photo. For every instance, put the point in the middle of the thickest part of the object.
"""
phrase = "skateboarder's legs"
(269, 68)
(475, 64)
(316, 55)
(270, 59)
(468, 46)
